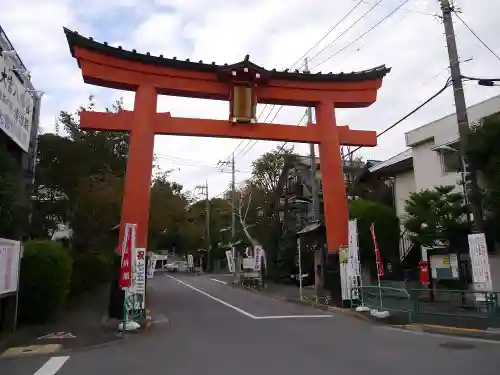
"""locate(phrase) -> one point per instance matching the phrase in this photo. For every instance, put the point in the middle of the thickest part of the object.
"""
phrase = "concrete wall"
(404, 184)
(445, 130)
(428, 168)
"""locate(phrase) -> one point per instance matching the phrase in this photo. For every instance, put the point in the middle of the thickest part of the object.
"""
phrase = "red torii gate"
(243, 84)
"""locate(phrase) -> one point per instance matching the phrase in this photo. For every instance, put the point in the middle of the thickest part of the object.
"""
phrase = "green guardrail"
(433, 306)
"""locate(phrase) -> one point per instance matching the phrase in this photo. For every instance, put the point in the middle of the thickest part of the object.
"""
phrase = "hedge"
(44, 281)
(90, 270)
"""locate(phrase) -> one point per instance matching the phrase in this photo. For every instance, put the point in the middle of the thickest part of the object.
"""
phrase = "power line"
(402, 9)
(477, 36)
(448, 84)
(349, 28)
(298, 60)
(362, 35)
(302, 119)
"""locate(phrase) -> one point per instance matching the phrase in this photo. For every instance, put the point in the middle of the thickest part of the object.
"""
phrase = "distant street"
(215, 329)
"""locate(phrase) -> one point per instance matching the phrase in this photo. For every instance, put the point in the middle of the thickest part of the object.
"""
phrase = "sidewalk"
(83, 324)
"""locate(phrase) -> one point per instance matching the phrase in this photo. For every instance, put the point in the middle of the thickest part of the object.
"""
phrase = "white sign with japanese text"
(350, 272)
(10, 254)
(230, 261)
(481, 273)
(354, 272)
(16, 106)
(139, 271)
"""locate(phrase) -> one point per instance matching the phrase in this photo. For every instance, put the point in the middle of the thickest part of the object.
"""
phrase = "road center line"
(52, 366)
(218, 281)
(214, 298)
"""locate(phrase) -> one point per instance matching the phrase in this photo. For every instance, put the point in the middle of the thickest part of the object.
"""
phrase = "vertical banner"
(230, 261)
(481, 272)
(354, 271)
(344, 275)
(139, 271)
(125, 280)
(152, 259)
(350, 272)
(258, 258)
(380, 264)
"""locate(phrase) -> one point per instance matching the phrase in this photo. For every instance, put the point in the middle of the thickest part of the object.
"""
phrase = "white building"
(427, 164)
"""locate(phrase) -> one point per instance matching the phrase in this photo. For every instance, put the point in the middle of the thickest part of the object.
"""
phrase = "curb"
(452, 331)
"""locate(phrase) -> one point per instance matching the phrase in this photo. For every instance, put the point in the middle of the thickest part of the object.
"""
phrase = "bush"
(386, 229)
(44, 281)
(90, 270)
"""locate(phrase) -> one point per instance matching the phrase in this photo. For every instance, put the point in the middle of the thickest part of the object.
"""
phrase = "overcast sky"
(275, 33)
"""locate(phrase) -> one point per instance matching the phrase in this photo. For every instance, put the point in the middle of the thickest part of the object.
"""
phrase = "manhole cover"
(457, 345)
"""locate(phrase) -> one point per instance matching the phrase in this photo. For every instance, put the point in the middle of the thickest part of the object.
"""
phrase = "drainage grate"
(457, 345)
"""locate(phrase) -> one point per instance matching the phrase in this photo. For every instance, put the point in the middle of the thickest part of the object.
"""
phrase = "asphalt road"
(215, 329)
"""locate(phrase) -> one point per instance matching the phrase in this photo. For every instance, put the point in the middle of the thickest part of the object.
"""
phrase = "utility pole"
(318, 252)
(233, 212)
(312, 154)
(209, 244)
(233, 204)
(204, 190)
(462, 117)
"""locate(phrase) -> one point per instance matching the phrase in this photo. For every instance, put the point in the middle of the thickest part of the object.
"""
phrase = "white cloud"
(275, 33)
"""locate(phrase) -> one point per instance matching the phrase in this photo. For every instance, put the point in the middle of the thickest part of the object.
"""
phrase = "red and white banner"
(128, 243)
(380, 264)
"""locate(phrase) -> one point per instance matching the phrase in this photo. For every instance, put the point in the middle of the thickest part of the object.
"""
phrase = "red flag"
(126, 263)
(380, 264)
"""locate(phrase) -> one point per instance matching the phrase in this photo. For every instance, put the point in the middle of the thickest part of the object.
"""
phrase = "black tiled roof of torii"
(75, 39)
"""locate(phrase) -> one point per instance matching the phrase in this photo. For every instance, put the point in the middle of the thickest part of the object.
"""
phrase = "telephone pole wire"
(462, 117)
(312, 154)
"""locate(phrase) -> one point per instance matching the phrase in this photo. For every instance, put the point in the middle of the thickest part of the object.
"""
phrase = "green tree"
(79, 181)
(168, 214)
(483, 154)
(435, 217)
(387, 230)
(14, 202)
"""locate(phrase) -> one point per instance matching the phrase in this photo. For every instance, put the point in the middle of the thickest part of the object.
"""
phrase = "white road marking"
(218, 281)
(52, 366)
(214, 298)
(293, 316)
(241, 311)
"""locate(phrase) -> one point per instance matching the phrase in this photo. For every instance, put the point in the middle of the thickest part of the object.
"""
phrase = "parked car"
(172, 267)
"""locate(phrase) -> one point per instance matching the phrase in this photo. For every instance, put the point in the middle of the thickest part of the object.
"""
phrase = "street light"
(463, 173)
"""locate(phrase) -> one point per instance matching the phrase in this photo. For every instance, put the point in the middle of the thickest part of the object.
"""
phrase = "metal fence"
(460, 308)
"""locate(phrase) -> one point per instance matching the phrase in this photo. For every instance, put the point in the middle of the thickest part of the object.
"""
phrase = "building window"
(450, 161)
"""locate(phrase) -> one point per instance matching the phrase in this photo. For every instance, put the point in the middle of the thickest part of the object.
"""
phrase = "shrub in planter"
(44, 281)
